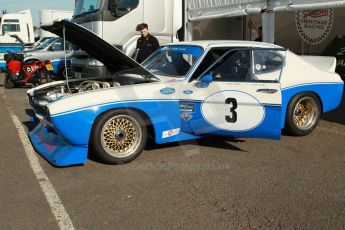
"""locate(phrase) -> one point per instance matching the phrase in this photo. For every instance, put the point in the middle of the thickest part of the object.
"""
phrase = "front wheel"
(9, 84)
(119, 136)
(303, 114)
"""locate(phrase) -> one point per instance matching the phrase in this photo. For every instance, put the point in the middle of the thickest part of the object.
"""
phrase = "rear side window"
(268, 64)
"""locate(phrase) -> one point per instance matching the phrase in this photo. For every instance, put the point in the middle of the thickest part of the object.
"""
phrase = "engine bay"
(39, 98)
(56, 92)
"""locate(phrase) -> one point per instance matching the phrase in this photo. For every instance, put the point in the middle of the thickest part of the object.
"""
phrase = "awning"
(211, 9)
(293, 5)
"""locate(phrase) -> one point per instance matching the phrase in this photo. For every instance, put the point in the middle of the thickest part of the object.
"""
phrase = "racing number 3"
(233, 114)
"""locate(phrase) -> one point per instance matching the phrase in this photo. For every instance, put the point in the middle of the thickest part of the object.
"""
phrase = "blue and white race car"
(183, 91)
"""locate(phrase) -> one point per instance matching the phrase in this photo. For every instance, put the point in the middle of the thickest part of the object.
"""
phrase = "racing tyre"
(119, 136)
(9, 84)
(303, 114)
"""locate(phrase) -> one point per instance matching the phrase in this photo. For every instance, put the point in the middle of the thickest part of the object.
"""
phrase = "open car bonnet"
(110, 56)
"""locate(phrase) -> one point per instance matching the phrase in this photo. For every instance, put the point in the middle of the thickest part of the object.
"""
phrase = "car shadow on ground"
(220, 142)
(27, 86)
(337, 115)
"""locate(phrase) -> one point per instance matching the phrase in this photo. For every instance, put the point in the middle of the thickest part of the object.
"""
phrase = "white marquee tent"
(212, 9)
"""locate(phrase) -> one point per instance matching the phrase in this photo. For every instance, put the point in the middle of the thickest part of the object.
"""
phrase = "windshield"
(173, 61)
(134, 76)
(41, 41)
(86, 6)
(44, 44)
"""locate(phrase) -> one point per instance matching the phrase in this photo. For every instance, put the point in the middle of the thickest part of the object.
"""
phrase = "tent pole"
(188, 24)
(268, 21)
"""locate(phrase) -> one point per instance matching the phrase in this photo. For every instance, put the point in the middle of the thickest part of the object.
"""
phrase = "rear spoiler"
(322, 62)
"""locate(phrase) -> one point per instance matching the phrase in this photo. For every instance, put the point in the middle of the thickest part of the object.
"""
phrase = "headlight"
(94, 62)
(53, 96)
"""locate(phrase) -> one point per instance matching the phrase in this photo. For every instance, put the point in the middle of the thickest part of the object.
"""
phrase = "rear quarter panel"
(299, 76)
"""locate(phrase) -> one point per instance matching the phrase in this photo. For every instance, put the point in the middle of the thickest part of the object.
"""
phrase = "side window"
(235, 66)
(226, 65)
(6, 28)
(268, 64)
(123, 7)
(58, 45)
(211, 57)
(128, 5)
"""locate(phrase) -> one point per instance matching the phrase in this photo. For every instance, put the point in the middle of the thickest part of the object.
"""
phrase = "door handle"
(268, 91)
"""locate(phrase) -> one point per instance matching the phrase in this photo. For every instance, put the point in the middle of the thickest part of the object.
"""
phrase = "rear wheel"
(303, 114)
(9, 84)
(119, 136)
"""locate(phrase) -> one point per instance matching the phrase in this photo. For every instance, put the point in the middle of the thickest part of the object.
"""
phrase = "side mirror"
(206, 78)
(204, 81)
(52, 48)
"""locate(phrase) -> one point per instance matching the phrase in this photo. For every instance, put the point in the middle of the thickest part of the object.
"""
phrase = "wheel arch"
(143, 114)
(286, 102)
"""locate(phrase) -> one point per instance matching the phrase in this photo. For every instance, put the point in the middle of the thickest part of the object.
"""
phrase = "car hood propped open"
(110, 56)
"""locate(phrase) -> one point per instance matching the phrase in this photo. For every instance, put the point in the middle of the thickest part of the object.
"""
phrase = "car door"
(239, 94)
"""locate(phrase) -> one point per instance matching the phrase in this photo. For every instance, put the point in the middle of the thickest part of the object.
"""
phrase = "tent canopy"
(211, 9)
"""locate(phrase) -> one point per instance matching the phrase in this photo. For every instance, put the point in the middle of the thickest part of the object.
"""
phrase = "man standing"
(259, 39)
(146, 44)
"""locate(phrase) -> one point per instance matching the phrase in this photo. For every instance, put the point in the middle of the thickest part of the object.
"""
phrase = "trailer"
(49, 16)
(16, 30)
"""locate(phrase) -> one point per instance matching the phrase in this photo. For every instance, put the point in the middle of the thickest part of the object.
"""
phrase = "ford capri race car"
(183, 91)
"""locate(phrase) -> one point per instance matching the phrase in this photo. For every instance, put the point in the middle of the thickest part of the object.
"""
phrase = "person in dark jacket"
(147, 44)
(259, 39)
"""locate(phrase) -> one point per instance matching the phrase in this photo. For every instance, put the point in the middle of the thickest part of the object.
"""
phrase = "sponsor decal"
(167, 91)
(186, 116)
(187, 107)
(188, 92)
(314, 26)
(170, 133)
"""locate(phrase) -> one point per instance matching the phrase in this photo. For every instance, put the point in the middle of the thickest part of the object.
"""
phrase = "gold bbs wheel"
(305, 113)
(121, 136)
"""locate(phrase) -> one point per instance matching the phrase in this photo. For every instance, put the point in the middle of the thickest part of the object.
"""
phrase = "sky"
(13, 6)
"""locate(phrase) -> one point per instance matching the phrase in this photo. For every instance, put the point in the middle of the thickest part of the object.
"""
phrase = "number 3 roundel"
(232, 111)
